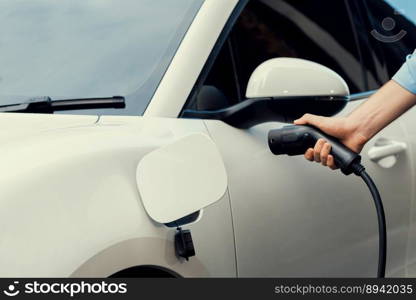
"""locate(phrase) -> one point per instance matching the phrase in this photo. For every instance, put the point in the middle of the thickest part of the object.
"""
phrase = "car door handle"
(384, 152)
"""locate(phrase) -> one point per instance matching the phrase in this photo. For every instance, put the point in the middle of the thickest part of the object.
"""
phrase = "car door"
(291, 217)
(393, 37)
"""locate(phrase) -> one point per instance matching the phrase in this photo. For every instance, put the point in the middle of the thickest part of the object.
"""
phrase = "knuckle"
(318, 146)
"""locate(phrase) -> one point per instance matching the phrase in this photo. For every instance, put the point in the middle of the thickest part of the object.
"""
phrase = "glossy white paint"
(293, 218)
(407, 123)
(385, 152)
(280, 77)
(16, 126)
(69, 193)
(181, 178)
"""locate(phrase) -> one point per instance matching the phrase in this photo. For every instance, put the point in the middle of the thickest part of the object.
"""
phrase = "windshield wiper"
(46, 105)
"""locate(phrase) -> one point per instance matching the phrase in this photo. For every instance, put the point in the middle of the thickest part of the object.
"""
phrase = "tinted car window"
(390, 29)
(223, 76)
(284, 28)
(89, 48)
(300, 29)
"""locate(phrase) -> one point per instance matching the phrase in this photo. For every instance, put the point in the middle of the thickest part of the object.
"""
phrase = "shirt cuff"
(406, 76)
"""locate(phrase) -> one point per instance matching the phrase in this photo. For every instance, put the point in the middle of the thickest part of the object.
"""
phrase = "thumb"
(310, 119)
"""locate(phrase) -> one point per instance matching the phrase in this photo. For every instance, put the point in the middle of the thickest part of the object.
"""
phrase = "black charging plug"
(296, 139)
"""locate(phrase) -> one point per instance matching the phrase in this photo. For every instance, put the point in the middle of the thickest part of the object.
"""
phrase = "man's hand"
(389, 103)
(340, 128)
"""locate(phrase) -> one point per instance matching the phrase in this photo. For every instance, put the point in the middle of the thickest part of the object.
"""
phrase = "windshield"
(89, 48)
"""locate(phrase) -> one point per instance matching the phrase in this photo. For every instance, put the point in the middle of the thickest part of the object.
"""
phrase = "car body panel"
(71, 193)
(408, 120)
(293, 218)
(16, 125)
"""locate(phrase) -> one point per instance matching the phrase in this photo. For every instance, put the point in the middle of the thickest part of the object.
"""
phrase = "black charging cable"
(359, 170)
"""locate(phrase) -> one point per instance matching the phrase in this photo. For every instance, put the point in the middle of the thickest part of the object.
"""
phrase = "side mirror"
(283, 89)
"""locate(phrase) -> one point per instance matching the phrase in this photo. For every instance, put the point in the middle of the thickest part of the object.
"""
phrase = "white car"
(97, 186)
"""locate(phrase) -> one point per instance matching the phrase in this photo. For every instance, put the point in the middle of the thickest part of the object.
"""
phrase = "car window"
(300, 29)
(89, 48)
(286, 28)
(390, 28)
(221, 83)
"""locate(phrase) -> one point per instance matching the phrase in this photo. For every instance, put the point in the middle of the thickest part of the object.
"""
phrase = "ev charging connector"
(296, 139)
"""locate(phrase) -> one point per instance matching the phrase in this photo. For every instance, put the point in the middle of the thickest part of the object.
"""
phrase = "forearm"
(389, 103)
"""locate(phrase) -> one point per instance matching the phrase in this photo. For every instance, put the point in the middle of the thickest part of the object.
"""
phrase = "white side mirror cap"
(292, 77)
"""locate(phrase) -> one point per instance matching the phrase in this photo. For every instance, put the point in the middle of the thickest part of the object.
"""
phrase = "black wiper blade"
(46, 105)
